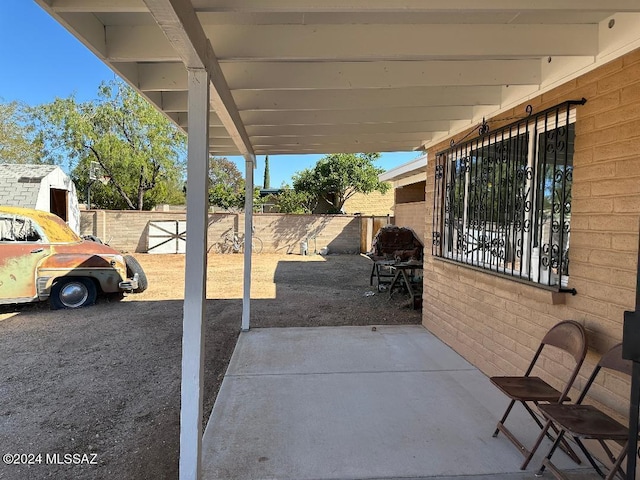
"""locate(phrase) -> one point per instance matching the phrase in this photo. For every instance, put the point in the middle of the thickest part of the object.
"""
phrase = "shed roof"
(20, 184)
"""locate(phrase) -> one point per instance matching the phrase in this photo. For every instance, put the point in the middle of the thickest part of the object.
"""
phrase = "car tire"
(73, 292)
(133, 267)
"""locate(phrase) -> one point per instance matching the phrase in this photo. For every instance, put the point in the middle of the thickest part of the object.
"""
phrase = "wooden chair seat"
(585, 421)
(532, 389)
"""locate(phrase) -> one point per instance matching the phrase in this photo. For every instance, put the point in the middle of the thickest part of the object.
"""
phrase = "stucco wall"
(127, 230)
(497, 323)
(413, 192)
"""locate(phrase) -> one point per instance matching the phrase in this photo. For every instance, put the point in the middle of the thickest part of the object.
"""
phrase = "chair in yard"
(587, 422)
(568, 336)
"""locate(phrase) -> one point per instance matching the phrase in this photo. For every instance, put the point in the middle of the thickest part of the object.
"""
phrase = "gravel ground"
(103, 382)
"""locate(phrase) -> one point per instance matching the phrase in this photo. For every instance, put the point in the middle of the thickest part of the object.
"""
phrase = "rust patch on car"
(17, 278)
(72, 261)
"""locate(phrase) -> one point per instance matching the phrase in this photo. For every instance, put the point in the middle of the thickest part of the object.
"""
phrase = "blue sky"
(43, 61)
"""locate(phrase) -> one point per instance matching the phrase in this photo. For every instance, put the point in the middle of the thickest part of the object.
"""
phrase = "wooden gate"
(369, 226)
(167, 236)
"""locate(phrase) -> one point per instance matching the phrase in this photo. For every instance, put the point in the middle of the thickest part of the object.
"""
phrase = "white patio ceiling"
(326, 76)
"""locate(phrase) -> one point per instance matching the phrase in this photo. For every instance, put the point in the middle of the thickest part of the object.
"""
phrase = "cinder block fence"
(280, 233)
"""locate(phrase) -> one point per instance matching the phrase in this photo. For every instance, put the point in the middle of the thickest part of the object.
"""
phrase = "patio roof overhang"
(347, 76)
(256, 77)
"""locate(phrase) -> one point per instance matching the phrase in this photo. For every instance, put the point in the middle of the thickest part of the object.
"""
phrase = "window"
(17, 229)
(502, 201)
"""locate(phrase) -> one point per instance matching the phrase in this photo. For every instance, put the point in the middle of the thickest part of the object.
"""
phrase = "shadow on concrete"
(106, 379)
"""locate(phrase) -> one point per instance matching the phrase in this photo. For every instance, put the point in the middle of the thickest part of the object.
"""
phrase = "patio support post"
(195, 276)
(248, 238)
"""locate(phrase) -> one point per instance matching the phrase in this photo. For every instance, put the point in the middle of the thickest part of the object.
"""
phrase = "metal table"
(405, 277)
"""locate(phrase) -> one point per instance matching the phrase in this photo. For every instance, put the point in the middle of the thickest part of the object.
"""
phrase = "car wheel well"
(73, 292)
(95, 281)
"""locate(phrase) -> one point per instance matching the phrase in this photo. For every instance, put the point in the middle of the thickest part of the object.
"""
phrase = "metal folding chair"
(587, 422)
(568, 336)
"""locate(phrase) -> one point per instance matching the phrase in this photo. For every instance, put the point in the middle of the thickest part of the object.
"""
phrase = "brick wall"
(497, 323)
(374, 203)
(127, 230)
(411, 215)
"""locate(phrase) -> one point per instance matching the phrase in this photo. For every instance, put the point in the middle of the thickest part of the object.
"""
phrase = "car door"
(22, 248)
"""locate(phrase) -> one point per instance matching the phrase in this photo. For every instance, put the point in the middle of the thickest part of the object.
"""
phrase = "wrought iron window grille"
(502, 200)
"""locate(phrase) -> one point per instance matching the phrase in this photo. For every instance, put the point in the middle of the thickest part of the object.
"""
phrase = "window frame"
(523, 253)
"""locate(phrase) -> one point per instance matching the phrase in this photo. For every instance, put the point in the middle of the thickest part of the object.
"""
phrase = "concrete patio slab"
(360, 403)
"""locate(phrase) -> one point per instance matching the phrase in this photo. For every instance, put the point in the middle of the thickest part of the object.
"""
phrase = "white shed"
(42, 187)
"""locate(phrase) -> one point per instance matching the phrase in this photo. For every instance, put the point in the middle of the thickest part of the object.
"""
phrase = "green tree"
(266, 184)
(135, 145)
(338, 177)
(292, 201)
(227, 186)
(19, 142)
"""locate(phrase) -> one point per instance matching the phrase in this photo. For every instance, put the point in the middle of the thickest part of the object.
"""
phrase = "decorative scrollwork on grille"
(436, 239)
(506, 203)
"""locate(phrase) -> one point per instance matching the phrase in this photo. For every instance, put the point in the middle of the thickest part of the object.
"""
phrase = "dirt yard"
(105, 380)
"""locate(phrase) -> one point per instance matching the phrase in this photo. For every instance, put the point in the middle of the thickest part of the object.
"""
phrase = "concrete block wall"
(412, 215)
(127, 230)
(497, 323)
(283, 233)
(374, 203)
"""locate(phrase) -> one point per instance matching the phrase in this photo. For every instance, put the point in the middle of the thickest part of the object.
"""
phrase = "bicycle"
(233, 242)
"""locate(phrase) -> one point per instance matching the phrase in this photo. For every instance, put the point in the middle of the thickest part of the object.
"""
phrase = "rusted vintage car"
(42, 258)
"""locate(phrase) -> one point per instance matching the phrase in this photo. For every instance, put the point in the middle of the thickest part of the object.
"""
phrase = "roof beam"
(346, 139)
(409, 6)
(405, 18)
(329, 148)
(216, 134)
(351, 129)
(362, 99)
(358, 42)
(310, 75)
(349, 75)
(399, 42)
(98, 6)
(179, 22)
(365, 115)
(173, 104)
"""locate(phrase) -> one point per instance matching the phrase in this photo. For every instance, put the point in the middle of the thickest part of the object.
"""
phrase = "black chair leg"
(547, 459)
(504, 417)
